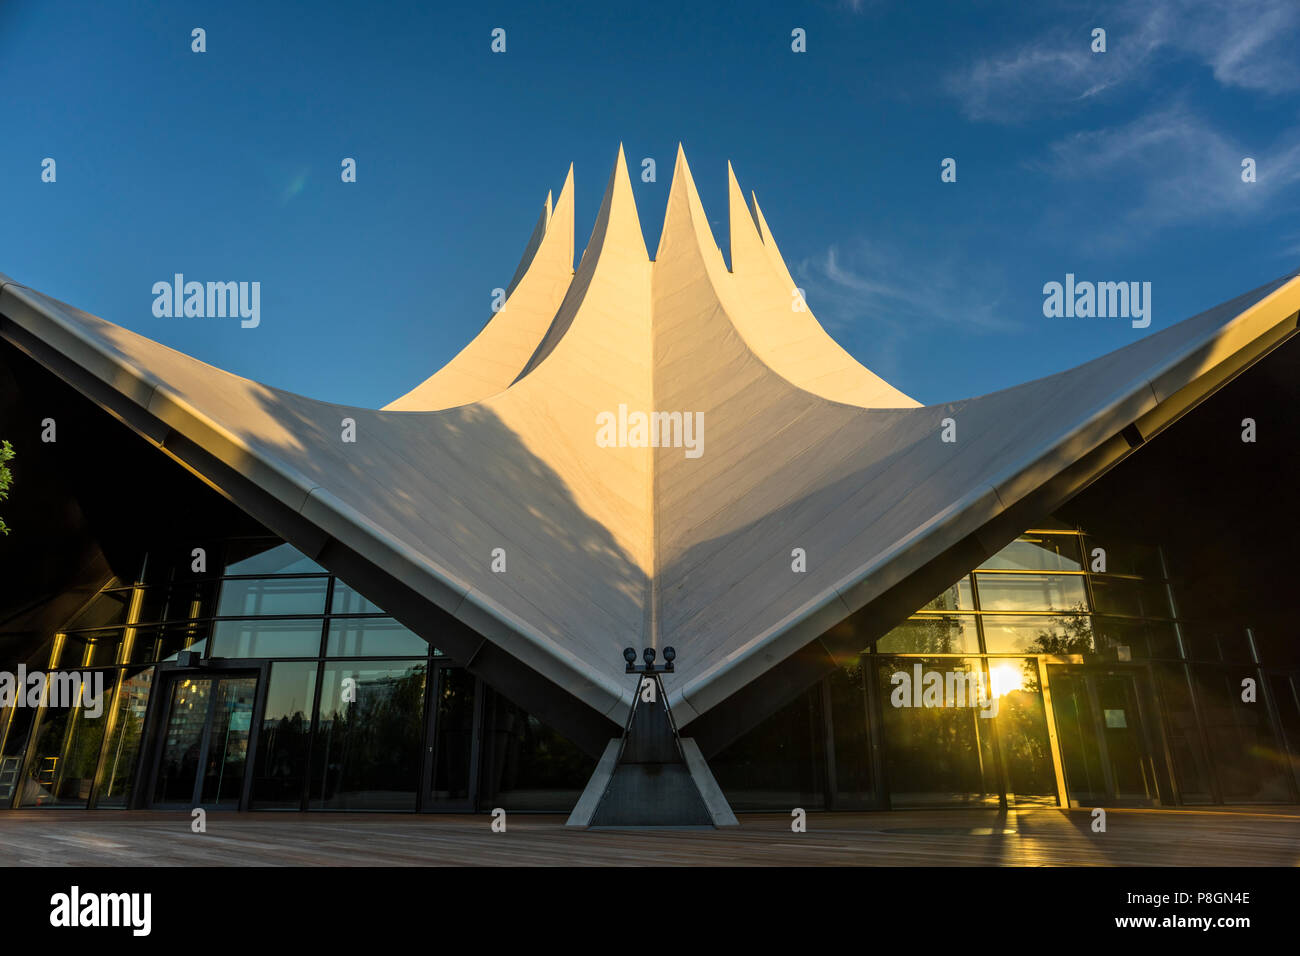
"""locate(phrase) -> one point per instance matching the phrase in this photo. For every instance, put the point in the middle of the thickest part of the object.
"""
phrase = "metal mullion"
(296, 576)
(1144, 674)
(261, 689)
(875, 731)
(205, 744)
(123, 657)
(1293, 684)
(429, 740)
(1099, 728)
(1042, 571)
(74, 715)
(474, 785)
(256, 617)
(999, 764)
(979, 621)
(7, 722)
(305, 796)
(828, 726)
(1053, 735)
(1210, 765)
(110, 724)
(1271, 711)
(34, 732)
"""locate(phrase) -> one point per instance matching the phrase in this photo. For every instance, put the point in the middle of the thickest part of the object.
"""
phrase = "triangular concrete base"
(652, 777)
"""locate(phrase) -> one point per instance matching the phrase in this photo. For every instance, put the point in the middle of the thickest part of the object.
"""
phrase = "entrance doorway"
(204, 751)
(1100, 726)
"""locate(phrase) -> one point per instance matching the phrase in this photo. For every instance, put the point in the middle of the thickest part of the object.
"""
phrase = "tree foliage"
(6, 477)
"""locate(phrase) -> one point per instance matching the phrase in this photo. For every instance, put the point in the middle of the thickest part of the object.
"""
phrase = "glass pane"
(153, 604)
(367, 748)
(780, 763)
(1076, 725)
(164, 641)
(123, 745)
(1208, 641)
(44, 656)
(160, 641)
(187, 600)
(1201, 641)
(68, 739)
(1121, 725)
(81, 748)
(1038, 552)
(1234, 644)
(255, 557)
(90, 648)
(286, 728)
(373, 637)
(854, 783)
(45, 760)
(1288, 711)
(1241, 740)
(347, 600)
(1030, 634)
(106, 609)
(1190, 767)
(527, 765)
(1022, 725)
(166, 563)
(262, 638)
(947, 634)
(1278, 646)
(1129, 597)
(958, 597)
(1123, 557)
(272, 596)
(1032, 592)
(227, 756)
(1141, 639)
(187, 715)
(938, 747)
(15, 727)
(455, 730)
(1162, 640)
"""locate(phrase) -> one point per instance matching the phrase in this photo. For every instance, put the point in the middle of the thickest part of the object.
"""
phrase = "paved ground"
(1223, 837)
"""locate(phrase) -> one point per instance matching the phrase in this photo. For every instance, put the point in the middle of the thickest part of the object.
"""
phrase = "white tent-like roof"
(608, 547)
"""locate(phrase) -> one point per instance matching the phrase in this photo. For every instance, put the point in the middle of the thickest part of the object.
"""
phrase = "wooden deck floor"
(1223, 836)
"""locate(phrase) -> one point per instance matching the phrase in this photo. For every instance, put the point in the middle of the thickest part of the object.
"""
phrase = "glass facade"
(1089, 689)
(302, 694)
(1058, 671)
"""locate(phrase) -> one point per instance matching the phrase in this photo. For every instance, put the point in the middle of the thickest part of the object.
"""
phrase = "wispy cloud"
(867, 288)
(1173, 167)
(1248, 44)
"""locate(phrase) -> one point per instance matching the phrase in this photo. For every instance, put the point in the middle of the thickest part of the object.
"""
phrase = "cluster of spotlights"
(648, 655)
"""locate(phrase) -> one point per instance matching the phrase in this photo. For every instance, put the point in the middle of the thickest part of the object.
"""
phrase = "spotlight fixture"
(648, 655)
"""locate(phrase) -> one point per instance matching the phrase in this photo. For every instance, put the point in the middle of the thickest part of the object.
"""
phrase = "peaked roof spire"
(769, 244)
(490, 362)
(747, 252)
(617, 227)
(685, 222)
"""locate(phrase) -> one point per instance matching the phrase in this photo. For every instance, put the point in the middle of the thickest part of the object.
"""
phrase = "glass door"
(204, 753)
(1103, 743)
(453, 714)
(1122, 737)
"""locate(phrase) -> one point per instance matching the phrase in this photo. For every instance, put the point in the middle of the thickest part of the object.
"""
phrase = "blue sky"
(1119, 166)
